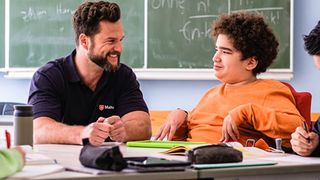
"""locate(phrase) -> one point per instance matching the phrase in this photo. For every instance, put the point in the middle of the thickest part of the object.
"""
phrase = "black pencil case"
(102, 157)
(215, 153)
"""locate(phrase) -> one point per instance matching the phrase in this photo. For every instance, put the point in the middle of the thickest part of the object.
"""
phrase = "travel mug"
(23, 125)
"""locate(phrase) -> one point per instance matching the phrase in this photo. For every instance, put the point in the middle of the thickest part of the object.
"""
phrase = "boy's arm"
(273, 122)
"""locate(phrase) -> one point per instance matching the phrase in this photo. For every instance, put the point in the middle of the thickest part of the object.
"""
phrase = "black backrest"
(7, 108)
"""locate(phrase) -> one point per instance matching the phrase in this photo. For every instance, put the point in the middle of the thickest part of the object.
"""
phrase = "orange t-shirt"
(262, 109)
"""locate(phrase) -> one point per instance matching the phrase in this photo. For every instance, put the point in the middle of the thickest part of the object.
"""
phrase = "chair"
(303, 103)
(7, 108)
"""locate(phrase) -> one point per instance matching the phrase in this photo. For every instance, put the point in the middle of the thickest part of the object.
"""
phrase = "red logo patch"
(101, 107)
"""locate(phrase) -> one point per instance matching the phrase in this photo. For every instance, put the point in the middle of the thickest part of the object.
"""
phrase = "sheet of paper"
(36, 171)
(86, 170)
(36, 159)
(294, 159)
(253, 152)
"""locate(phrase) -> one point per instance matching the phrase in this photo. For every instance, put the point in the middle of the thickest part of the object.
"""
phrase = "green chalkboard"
(42, 30)
(2, 33)
(133, 23)
(179, 31)
(159, 34)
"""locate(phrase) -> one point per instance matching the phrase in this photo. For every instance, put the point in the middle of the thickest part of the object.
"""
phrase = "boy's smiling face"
(228, 64)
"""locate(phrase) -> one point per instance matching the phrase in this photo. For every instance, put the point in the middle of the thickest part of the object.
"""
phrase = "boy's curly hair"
(250, 35)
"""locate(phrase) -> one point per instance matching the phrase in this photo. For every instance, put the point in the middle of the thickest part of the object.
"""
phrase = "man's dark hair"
(87, 17)
(312, 41)
(250, 35)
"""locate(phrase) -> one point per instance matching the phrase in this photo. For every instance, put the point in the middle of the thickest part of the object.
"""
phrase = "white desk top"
(68, 155)
(6, 120)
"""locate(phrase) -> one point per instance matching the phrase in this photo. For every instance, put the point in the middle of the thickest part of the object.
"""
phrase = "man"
(304, 143)
(90, 94)
(243, 107)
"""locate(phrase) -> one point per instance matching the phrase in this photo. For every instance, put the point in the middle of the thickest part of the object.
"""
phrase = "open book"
(161, 144)
(247, 152)
(182, 149)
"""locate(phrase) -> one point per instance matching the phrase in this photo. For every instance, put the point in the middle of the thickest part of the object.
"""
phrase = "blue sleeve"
(316, 129)
(46, 93)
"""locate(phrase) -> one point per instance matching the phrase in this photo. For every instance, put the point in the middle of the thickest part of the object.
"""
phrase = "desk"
(68, 155)
(285, 169)
(6, 120)
(289, 167)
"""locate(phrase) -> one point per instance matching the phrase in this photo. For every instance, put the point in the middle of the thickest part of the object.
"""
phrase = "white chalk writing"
(203, 9)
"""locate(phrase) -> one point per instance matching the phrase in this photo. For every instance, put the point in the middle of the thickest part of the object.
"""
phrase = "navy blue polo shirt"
(57, 92)
(316, 129)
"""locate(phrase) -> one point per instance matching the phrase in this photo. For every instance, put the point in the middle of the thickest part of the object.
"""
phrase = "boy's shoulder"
(271, 83)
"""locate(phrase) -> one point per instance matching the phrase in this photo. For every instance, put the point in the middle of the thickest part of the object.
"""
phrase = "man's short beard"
(104, 63)
(112, 68)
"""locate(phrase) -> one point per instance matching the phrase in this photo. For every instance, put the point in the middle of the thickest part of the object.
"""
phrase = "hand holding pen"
(307, 129)
(303, 141)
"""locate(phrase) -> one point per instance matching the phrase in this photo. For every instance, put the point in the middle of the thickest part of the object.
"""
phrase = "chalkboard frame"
(168, 73)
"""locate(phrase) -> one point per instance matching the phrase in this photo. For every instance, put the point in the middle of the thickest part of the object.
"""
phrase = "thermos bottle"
(23, 125)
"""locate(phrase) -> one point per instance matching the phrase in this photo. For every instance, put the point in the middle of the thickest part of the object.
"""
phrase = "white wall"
(167, 95)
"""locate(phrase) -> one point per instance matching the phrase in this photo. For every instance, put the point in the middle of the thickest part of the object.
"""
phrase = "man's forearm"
(48, 131)
(137, 126)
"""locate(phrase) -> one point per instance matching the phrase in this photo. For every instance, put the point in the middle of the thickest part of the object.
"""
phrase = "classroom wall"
(167, 95)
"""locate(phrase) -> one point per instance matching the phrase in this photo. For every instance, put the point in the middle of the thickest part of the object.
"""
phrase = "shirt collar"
(70, 67)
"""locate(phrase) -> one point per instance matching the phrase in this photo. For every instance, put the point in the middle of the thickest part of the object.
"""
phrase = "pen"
(278, 143)
(305, 127)
(8, 139)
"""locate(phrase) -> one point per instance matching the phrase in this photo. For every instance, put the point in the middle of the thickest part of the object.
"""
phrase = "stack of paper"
(29, 172)
(36, 159)
(37, 165)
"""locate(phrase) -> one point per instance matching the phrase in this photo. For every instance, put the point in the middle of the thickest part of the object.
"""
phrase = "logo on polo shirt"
(103, 107)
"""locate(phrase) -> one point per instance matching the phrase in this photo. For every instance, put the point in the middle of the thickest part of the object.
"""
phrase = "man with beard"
(90, 94)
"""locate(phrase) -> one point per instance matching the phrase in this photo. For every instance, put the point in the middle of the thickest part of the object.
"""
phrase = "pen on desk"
(306, 128)
(8, 139)
(278, 142)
